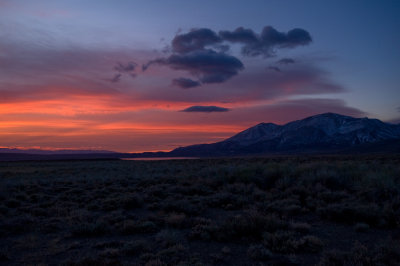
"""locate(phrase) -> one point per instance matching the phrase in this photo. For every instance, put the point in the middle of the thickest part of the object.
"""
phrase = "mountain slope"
(319, 133)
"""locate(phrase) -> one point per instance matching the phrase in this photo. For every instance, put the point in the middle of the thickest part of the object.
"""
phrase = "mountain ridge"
(327, 133)
(319, 133)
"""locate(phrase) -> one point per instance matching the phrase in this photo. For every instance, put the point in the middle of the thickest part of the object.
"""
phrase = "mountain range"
(323, 133)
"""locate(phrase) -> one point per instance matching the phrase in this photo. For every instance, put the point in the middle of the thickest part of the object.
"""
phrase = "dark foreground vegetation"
(252, 211)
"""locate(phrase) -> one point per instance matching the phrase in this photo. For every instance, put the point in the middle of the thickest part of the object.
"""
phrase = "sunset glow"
(94, 76)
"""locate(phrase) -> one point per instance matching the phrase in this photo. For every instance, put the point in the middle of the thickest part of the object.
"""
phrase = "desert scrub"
(131, 201)
(287, 242)
(352, 212)
(203, 229)
(182, 206)
(17, 225)
(300, 227)
(289, 206)
(247, 226)
(169, 237)
(89, 229)
(138, 227)
(176, 220)
(387, 253)
(259, 252)
(281, 242)
(134, 248)
(310, 244)
(361, 227)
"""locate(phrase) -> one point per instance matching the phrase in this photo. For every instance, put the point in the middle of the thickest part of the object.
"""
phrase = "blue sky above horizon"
(75, 74)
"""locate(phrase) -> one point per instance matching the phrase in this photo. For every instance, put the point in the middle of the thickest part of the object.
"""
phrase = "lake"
(159, 158)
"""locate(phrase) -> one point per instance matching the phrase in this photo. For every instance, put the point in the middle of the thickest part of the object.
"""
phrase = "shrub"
(110, 253)
(250, 225)
(172, 254)
(155, 262)
(360, 255)
(285, 206)
(108, 244)
(361, 227)
(203, 229)
(259, 252)
(281, 242)
(133, 248)
(388, 253)
(309, 244)
(168, 237)
(351, 213)
(333, 258)
(384, 254)
(87, 229)
(175, 220)
(138, 227)
(93, 261)
(12, 203)
(53, 225)
(110, 204)
(3, 256)
(300, 227)
(181, 206)
(226, 250)
(131, 201)
(17, 225)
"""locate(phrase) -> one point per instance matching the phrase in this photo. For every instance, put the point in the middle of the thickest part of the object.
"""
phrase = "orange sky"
(85, 122)
(109, 76)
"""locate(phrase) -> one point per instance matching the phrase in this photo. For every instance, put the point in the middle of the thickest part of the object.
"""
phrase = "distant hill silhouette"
(37, 154)
(52, 152)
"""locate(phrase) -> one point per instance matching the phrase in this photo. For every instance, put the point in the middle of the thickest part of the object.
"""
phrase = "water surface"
(159, 158)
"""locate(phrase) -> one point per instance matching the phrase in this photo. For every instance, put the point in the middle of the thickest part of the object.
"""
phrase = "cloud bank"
(205, 109)
(285, 61)
(185, 83)
(203, 52)
(267, 41)
(209, 66)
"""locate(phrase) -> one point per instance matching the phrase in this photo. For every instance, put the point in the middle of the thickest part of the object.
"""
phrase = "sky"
(134, 76)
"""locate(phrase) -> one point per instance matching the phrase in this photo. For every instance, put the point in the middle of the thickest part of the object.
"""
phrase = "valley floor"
(326, 210)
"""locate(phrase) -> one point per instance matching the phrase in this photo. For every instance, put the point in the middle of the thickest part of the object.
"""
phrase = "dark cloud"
(274, 68)
(209, 66)
(194, 40)
(222, 48)
(205, 109)
(285, 61)
(297, 37)
(185, 83)
(254, 44)
(129, 67)
(398, 108)
(116, 78)
(240, 35)
(268, 41)
(203, 52)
